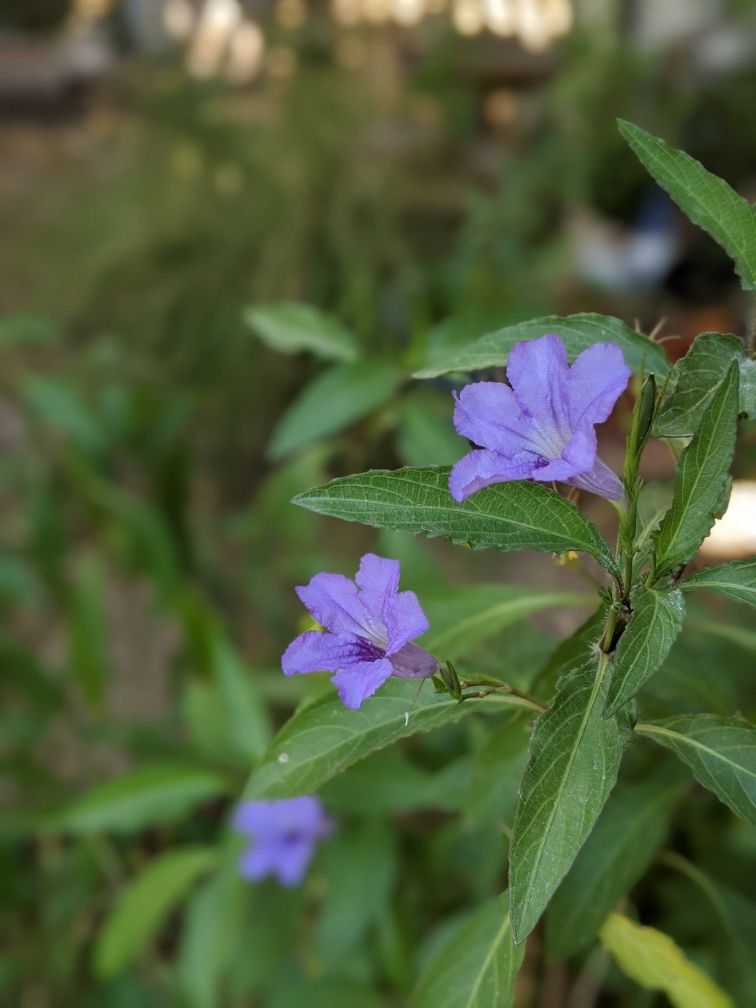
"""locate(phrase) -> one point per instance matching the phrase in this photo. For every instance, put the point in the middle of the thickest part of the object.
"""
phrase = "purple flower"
(284, 834)
(541, 425)
(369, 626)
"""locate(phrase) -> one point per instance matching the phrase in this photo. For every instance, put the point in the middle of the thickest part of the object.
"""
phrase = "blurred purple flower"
(369, 626)
(284, 834)
(541, 425)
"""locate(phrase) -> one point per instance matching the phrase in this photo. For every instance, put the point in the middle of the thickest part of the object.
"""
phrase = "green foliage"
(291, 328)
(734, 580)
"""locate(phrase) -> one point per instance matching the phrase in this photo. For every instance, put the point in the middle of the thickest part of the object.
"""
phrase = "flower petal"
(378, 582)
(356, 683)
(578, 456)
(480, 469)
(405, 620)
(537, 371)
(335, 603)
(595, 382)
(314, 651)
(293, 860)
(414, 662)
(487, 413)
(600, 479)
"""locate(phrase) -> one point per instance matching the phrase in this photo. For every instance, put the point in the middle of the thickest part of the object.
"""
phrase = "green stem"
(494, 685)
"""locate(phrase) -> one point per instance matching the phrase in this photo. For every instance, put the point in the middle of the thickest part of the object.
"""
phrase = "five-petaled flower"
(284, 834)
(369, 628)
(541, 425)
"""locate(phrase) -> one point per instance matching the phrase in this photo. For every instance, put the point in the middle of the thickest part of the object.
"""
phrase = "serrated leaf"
(692, 383)
(578, 332)
(325, 737)
(571, 653)
(291, 327)
(509, 516)
(734, 580)
(700, 480)
(703, 197)
(720, 751)
(333, 401)
(150, 794)
(656, 620)
(656, 962)
(476, 967)
(575, 753)
(628, 834)
(145, 904)
(460, 618)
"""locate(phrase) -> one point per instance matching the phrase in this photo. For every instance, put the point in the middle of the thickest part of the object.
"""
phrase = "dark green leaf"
(476, 967)
(325, 738)
(705, 198)
(291, 327)
(333, 401)
(575, 752)
(735, 580)
(577, 331)
(656, 620)
(700, 481)
(498, 769)
(720, 751)
(571, 653)
(509, 516)
(628, 834)
(88, 657)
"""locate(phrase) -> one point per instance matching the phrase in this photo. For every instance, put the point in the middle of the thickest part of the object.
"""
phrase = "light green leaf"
(700, 481)
(575, 752)
(735, 580)
(693, 381)
(720, 751)
(24, 330)
(656, 962)
(61, 407)
(748, 386)
(88, 656)
(656, 620)
(144, 905)
(463, 617)
(333, 401)
(705, 198)
(290, 327)
(476, 967)
(426, 435)
(578, 332)
(325, 737)
(628, 834)
(150, 794)
(509, 516)
(498, 769)
(570, 653)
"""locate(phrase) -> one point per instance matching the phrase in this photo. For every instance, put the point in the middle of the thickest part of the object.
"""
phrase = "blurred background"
(231, 231)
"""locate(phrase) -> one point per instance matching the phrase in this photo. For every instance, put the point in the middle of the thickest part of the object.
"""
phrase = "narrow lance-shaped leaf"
(720, 751)
(575, 752)
(577, 332)
(509, 516)
(325, 738)
(734, 580)
(290, 327)
(703, 197)
(476, 967)
(656, 621)
(629, 833)
(700, 480)
(656, 962)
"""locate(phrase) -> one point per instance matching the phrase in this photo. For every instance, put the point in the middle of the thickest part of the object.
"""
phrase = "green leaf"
(326, 992)
(692, 383)
(325, 737)
(627, 836)
(60, 406)
(734, 580)
(290, 327)
(656, 621)
(150, 794)
(23, 330)
(426, 435)
(656, 962)
(498, 769)
(748, 387)
(476, 967)
(570, 653)
(333, 401)
(577, 331)
(144, 905)
(463, 617)
(509, 516)
(720, 751)
(700, 480)
(88, 656)
(575, 753)
(705, 198)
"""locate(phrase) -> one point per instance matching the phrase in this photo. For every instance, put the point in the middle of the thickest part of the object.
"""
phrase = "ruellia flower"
(542, 425)
(283, 835)
(369, 626)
